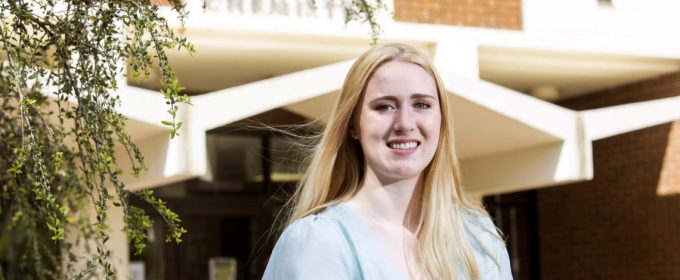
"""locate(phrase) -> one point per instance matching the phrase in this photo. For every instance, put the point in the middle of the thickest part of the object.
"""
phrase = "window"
(236, 162)
(286, 157)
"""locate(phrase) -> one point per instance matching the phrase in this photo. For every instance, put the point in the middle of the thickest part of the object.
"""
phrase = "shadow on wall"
(669, 177)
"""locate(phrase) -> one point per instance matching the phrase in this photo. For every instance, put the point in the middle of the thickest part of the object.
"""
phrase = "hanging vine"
(58, 152)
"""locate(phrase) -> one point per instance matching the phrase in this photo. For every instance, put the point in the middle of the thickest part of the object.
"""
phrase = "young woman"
(382, 196)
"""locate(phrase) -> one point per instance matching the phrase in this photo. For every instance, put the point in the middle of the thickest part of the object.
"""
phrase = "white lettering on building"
(325, 10)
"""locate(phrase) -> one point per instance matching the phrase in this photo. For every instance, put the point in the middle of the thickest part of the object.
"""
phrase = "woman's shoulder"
(321, 233)
(483, 235)
(309, 248)
(480, 223)
(318, 228)
(489, 246)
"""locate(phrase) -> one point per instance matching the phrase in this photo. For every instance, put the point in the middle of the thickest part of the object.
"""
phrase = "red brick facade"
(625, 223)
(501, 14)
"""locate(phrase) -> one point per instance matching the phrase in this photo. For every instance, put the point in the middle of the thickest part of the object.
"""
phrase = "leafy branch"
(72, 51)
(366, 12)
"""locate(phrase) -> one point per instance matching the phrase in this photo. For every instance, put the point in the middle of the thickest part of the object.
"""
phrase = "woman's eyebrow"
(386, 97)
(395, 99)
(422, 95)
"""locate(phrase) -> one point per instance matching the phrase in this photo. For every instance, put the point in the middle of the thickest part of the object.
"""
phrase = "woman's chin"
(405, 173)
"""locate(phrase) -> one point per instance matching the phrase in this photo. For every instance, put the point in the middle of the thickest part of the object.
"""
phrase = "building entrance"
(232, 219)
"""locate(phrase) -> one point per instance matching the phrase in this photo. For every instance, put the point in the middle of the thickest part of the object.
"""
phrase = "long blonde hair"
(334, 170)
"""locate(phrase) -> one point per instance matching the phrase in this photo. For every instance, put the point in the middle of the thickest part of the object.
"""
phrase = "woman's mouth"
(402, 146)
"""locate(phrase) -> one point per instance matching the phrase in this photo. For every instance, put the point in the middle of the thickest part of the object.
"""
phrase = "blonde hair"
(444, 202)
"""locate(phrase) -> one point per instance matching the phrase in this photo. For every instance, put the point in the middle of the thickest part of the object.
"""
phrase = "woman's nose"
(403, 121)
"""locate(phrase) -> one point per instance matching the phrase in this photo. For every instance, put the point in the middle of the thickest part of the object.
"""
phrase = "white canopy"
(506, 140)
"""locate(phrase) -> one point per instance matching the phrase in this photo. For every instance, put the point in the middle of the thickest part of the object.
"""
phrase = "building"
(566, 122)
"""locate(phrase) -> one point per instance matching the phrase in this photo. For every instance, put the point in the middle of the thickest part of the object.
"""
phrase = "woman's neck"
(391, 203)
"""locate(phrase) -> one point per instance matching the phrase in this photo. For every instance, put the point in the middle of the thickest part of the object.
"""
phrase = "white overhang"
(507, 141)
(228, 105)
(576, 63)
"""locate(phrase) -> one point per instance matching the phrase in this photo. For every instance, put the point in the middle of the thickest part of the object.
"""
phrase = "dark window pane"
(286, 159)
(235, 162)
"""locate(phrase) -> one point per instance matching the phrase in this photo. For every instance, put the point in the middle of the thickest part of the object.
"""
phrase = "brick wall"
(625, 223)
(502, 14)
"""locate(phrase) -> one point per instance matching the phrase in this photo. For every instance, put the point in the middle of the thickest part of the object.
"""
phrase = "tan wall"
(625, 223)
(501, 14)
(161, 2)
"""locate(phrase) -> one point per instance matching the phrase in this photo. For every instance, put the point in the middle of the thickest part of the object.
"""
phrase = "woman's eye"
(422, 105)
(383, 107)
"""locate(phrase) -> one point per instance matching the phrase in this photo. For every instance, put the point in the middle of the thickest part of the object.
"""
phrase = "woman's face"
(399, 121)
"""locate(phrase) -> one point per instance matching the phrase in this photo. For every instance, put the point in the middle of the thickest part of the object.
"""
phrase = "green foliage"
(171, 93)
(141, 220)
(57, 155)
(366, 12)
(363, 11)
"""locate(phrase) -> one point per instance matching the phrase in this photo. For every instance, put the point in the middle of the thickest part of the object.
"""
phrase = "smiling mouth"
(403, 146)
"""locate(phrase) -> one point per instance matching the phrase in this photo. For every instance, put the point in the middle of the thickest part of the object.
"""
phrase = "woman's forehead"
(397, 77)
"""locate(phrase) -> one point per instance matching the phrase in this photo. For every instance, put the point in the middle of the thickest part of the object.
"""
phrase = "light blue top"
(337, 244)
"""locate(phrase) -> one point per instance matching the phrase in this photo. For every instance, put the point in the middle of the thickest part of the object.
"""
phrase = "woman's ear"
(353, 132)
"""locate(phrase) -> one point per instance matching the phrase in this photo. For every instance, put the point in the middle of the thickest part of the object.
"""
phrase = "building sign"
(325, 10)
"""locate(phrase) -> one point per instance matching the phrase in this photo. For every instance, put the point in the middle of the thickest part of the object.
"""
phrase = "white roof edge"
(536, 113)
(541, 166)
(610, 121)
(650, 46)
(228, 105)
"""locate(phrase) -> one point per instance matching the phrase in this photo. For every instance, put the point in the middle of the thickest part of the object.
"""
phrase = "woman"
(382, 197)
